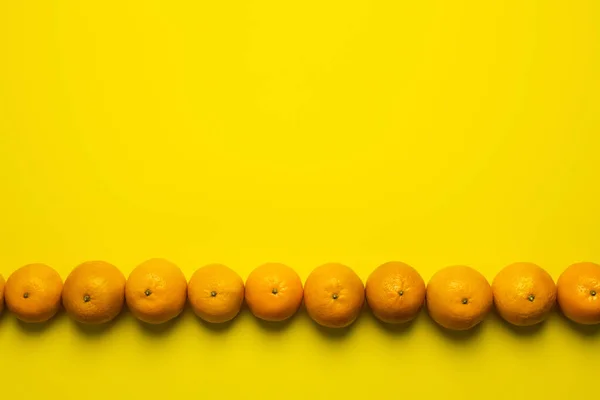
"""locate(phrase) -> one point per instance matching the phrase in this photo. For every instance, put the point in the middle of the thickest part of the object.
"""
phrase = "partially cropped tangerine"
(94, 292)
(33, 293)
(395, 292)
(156, 291)
(458, 297)
(2, 283)
(579, 293)
(273, 292)
(334, 295)
(524, 294)
(216, 293)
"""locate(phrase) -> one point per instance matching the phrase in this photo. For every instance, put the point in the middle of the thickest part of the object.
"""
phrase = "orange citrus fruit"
(273, 292)
(524, 294)
(33, 293)
(579, 293)
(458, 297)
(94, 292)
(333, 295)
(156, 291)
(395, 292)
(2, 282)
(216, 293)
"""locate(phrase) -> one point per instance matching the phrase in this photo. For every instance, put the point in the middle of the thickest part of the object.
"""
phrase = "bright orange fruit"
(579, 293)
(334, 295)
(273, 292)
(458, 297)
(94, 292)
(156, 291)
(33, 293)
(216, 293)
(524, 294)
(395, 292)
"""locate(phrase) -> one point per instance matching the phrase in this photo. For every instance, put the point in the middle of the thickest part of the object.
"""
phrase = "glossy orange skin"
(273, 292)
(524, 294)
(458, 297)
(579, 293)
(156, 291)
(216, 293)
(334, 295)
(94, 292)
(395, 292)
(33, 293)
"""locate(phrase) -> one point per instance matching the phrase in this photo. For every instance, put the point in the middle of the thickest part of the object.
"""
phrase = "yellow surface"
(432, 132)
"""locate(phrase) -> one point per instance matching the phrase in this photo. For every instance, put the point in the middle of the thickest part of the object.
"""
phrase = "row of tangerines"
(156, 291)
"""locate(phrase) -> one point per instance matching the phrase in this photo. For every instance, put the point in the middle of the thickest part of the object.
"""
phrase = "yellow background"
(433, 132)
